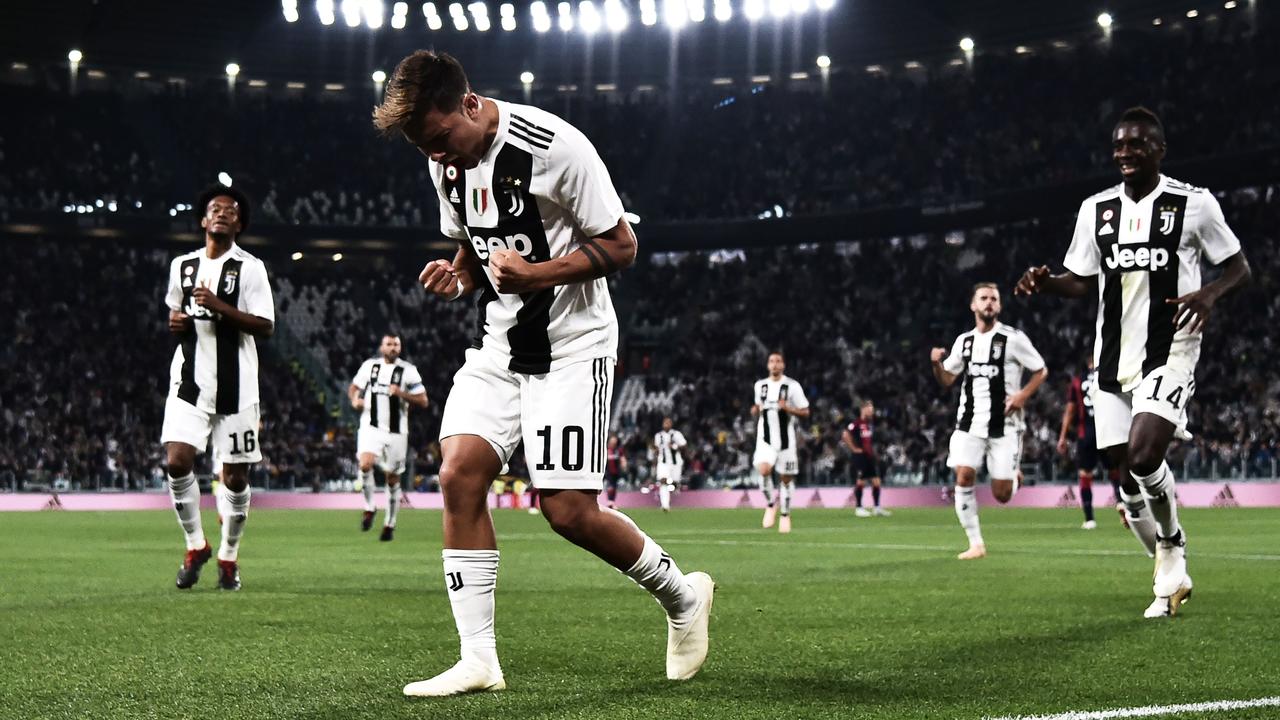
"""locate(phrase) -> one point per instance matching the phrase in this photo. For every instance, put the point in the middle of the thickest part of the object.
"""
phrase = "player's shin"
(967, 512)
(1157, 489)
(470, 579)
(1141, 522)
(367, 488)
(393, 504)
(185, 494)
(785, 493)
(1086, 494)
(233, 508)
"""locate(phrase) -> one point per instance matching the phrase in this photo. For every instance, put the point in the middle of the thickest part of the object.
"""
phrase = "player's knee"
(1144, 459)
(235, 478)
(1003, 493)
(178, 467)
(366, 466)
(566, 521)
(459, 488)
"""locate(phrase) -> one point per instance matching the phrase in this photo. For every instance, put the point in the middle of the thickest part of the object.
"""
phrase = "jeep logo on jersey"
(519, 242)
(1139, 258)
(983, 370)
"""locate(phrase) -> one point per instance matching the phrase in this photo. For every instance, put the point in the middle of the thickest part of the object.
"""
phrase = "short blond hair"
(422, 81)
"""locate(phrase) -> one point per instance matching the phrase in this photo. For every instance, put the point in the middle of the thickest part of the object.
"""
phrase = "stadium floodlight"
(675, 14)
(379, 76)
(460, 23)
(566, 16)
(434, 22)
(337, 257)
(825, 5)
(966, 44)
(588, 17)
(296, 256)
(800, 7)
(374, 12)
(508, 24)
(753, 9)
(508, 13)
(722, 10)
(399, 15)
(398, 22)
(697, 10)
(324, 8)
(1229, 4)
(823, 62)
(429, 10)
(232, 70)
(1193, 14)
(1104, 21)
(526, 78)
(75, 56)
(615, 16)
(649, 12)
(480, 14)
(224, 179)
(290, 9)
(350, 12)
(541, 20)
(779, 8)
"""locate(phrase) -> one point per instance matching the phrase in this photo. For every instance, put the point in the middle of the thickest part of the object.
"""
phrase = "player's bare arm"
(787, 408)
(450, 280)
(944, 378)
(179, 322)
(596, 257)
(236, 318)
(418, 400)
(355, 396)
(1038, 280)
(1020, 398)
(1194, 308)
(847, 438)
(755, 410)
(1068, 419)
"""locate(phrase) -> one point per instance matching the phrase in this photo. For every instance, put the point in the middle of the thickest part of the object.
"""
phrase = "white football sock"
(233, 507)
(185, 494)
(1141, 522)
(788, 488)
(766, 487)
(1157, 489)
(967, 512)
(470, 577)
(656, 572)
(367, 487)
(393, 504)
(664, 496)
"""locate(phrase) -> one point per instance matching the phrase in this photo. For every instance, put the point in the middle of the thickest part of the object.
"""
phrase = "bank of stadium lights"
(825, 5)
(350, 10)
(526, 78)
(507, 12)
(324, 9)
(753, 9)
(296, 256)
(779, 8)
(541, 18)
(458, 16)
(1193, 14)
(232, 71)
(588, 17)
(675, 13)
(1229, 4)
(337, 257)
(565, 11)
(399, 15)
(480, 16)
(75, 56)
(966, 44)
(433, 16)
(698, 10)
(648, 13)
(800, 7)
(290, 9)
(722, 10)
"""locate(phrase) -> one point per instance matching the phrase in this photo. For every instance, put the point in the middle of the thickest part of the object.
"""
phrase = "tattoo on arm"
(609, 264)
(595, 261)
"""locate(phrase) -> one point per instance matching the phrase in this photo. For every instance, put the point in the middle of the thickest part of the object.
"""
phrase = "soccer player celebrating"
(668, 445)
(991, 357)
(776, 399)
(864, 464)
(539, 227)
(219, 302)
(1140, 244)
(382, 391)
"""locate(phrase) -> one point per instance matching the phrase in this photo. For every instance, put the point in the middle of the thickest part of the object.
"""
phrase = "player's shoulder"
(194, 254)
(1111, 193)
(245, 257)
(406, 364)
(1178, 187)
(1010, 330)
(533, 129)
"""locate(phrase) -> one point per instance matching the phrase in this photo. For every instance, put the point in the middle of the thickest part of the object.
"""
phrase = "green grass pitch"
(844, 618)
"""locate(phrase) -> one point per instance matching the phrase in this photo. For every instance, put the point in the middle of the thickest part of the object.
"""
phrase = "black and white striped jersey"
(775, 427)
(667, 444)
(1144, 253)
(382, 410)
(991, 364)
(541, 189)
(215, 366)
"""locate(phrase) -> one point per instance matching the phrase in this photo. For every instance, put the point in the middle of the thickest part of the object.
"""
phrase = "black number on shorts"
(1175, 397)
(570, 460)
(1156, 391)
(250, 442)
(545, 434)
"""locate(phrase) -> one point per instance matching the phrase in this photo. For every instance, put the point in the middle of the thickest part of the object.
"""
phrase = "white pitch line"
(667, 539)
(1151, 710)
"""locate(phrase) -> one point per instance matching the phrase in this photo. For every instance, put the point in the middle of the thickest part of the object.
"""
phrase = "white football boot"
(687, 636)
(469, 675)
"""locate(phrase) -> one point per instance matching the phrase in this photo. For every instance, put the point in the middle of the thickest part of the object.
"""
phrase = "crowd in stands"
(871, 140)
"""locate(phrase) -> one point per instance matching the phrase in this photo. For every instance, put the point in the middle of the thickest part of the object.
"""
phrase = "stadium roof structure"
(288, 40)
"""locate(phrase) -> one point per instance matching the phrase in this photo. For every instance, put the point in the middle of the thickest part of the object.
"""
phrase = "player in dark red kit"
(864, 464)
(615, 466)
(1078, 414)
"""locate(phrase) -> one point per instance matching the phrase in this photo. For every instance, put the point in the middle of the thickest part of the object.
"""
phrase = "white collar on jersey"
(1155, 192)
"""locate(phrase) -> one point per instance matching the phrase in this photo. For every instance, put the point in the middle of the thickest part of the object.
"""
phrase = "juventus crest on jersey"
(215, 366)
(383, 410)
(774, 427)
(992, 363)
(1144, 253)
(667, 444)
(540, 190)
